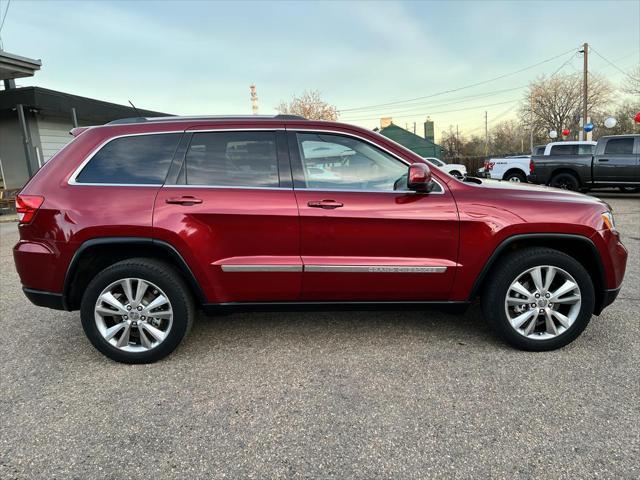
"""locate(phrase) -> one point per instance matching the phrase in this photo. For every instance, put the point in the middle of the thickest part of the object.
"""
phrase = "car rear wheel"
(515, 177)
(137, 311)
(456, 173)
(539, 299)
(565, 181)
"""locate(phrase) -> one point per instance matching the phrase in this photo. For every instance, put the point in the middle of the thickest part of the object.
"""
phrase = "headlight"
(609, 221)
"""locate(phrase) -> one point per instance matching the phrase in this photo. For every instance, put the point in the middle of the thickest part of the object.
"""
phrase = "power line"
(4, 17)
(393, 110)
(444, 111)
(493, 120)
(368, 107)
(608, 61)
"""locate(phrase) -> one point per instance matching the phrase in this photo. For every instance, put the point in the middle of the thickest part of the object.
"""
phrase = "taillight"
(27, 206)
(490, 165)
(531, 166)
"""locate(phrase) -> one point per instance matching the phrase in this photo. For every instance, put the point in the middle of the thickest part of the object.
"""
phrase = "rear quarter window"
(564, 150)
(138, 159)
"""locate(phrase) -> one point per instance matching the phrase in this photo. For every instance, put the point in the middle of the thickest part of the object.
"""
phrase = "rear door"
(229, 208)
(616, 161)
(364, 236)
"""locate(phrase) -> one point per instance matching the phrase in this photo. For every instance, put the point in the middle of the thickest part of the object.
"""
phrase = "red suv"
(142, 221)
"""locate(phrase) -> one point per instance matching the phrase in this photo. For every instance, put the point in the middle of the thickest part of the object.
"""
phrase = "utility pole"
(254, 99)
(585, 74)
(457, 140)
(532, 120)
(486, 134)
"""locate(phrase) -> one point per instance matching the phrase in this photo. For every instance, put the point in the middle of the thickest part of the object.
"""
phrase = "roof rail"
(122, 121)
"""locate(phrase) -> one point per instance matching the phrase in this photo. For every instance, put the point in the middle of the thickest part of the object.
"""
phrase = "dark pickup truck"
(615, 163)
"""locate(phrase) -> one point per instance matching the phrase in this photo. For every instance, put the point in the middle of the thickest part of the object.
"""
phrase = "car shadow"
(341, 329)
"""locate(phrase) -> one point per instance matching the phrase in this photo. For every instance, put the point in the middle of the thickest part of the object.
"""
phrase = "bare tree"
(309, 105)
(631, 83)
(555, 103)
(451, 143)
(509, 137)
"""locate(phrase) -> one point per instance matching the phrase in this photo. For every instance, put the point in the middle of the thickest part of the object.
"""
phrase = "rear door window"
(619, 146)
(584, 149)
(132, 160)
(234, 159)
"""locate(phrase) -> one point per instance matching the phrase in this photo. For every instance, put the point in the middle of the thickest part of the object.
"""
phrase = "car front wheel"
(137, 310)
(539, 299)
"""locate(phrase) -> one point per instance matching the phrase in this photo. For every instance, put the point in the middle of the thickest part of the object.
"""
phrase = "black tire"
(506, 272)
(455, 173)
(154, 271)
(565, 181)
(512, 176)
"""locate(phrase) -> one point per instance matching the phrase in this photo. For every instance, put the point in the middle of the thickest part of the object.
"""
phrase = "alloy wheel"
(133, 315)
(543, 302)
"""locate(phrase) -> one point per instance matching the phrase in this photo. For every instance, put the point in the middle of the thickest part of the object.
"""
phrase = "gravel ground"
(322, 395)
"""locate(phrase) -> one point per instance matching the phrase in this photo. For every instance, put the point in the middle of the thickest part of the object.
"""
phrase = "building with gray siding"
(35, 124)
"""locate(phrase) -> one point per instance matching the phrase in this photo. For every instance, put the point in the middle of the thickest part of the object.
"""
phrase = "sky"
(190, 58)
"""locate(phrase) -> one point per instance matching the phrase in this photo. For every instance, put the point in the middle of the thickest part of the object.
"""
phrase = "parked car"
(456, 169)
(512, 169)
(516, 168)
(141, 222)
(616, 163)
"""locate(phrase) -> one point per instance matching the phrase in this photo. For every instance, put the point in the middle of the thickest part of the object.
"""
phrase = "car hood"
(536, 192)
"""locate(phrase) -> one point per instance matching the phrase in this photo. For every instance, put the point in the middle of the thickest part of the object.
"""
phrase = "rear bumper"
(534, 179)
(44, 299)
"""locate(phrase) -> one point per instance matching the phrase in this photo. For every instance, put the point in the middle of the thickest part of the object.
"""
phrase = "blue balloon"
(588, 127)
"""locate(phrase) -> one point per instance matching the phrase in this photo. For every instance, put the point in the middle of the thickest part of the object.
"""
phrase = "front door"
(616, 162)
(364, 236)
(232, 213)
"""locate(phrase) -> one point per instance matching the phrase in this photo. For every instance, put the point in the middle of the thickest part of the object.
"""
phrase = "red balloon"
(566, 132)
(637, 117)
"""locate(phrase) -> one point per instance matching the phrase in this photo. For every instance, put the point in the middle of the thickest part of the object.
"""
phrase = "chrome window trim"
(221, 187)
(76, 172)
(335, 268)
(349, 134)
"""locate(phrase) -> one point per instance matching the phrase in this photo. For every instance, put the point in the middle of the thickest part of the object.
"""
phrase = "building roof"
(15, 66)
(52, 102)
(413, 142)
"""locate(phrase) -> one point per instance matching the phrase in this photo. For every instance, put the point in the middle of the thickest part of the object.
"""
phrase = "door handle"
(326, 204)
(186, 200)
(603, 159)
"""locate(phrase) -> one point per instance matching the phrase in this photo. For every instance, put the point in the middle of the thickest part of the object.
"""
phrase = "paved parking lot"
(322, 395)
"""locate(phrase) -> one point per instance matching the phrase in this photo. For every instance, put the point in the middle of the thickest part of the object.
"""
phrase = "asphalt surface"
(322, 395)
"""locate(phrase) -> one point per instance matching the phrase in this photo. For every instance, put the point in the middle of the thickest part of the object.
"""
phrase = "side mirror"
(419, 178)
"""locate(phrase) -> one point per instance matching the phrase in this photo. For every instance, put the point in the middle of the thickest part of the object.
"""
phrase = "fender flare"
(536, 236)
(167, 247)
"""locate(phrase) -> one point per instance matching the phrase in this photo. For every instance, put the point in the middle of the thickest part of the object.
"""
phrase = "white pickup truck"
(517, 168)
